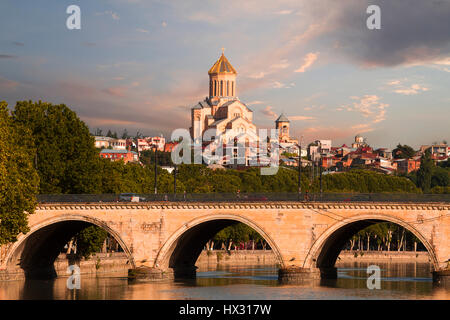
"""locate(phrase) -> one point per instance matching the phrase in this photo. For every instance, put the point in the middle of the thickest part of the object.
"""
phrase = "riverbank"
(267, 257)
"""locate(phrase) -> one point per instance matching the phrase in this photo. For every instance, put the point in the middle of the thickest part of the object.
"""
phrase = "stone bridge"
(167, 237)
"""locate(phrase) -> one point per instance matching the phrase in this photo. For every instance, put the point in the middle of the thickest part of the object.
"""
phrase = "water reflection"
(399, 281)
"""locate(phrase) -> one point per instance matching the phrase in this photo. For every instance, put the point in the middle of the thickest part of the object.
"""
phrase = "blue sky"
(142, 65)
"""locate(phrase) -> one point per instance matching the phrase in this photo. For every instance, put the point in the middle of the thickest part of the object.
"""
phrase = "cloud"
(301, 118)
(361, 128)
(113, 15)
(254, 102)
(8, 84)
(116, 91)
(279, 85)
(259, 75)
(308, 61)
(283, 12)
(414, 89)
(268, 112)
(400, 88)
(283, 64)
(8, 56)
(413, 32)
(369, 106)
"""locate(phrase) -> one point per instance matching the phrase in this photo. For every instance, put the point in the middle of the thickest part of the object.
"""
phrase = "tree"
(19, 180)
(424, 174)
(67, 161)
(90, 240)
(403, 152)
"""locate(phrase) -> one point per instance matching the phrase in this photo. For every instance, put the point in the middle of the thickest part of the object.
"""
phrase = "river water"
(398, 281)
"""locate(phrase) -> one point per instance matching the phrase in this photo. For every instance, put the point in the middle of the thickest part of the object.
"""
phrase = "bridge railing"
(246, 197)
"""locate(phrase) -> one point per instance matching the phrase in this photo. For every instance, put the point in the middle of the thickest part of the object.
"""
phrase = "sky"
(142, 64)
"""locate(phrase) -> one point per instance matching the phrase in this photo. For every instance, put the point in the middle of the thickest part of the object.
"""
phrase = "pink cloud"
(116, 91)
(308, 61)
(8, 84)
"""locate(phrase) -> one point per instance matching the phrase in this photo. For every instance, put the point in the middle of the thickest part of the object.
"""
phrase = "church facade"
(221, 117)
(222, 113)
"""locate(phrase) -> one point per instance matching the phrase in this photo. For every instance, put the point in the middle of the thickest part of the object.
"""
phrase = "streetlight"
(300, 168)
(175, 183)
(156, 171)
(320, 178)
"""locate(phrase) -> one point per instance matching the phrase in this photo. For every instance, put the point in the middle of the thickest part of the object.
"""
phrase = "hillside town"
(230, 121)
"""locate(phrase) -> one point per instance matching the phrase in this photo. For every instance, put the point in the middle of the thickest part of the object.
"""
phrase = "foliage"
(67, 161)
(424, 174)
(403, 152)
(385, 236)
(90, 240)
(238, 233)
(18, 178)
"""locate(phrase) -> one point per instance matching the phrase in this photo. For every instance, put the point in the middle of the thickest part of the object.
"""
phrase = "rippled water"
(399, 281)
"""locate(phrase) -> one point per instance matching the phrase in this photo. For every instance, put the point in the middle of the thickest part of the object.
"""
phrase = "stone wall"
(98, 263)
(236, 257)
(399, 256)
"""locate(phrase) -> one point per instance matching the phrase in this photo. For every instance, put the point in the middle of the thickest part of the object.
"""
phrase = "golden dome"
(222, 66)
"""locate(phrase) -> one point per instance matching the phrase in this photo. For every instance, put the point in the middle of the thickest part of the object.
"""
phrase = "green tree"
(90, 240)
(18, 179)
(424, 174)
(67, 161)
(403, 152)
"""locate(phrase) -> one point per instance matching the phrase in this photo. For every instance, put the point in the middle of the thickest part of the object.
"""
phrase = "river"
(400, 280)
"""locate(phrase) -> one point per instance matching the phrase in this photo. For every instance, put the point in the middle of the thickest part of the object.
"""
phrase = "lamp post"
(156, 171)
(175, 183)
(300, 168)
(320, 178)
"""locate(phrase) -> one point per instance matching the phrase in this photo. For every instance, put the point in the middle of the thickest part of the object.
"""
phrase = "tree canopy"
(403, 152)
(19, 180)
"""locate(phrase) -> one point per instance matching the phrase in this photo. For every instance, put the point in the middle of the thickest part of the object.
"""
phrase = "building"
(102, 142)
(222, 116)
(222, 110)
(117, 155)
(118, 144)
(282, 125)
(148, 143)
(408, 165)
(439, 152)
(169, 146)
(359, 142)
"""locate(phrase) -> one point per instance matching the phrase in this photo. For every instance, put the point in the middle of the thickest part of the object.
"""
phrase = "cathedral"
(228, 120)
(222, 112)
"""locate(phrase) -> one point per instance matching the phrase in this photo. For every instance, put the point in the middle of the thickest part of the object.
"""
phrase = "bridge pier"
(292, 275)
(149, 274)
(442, 277)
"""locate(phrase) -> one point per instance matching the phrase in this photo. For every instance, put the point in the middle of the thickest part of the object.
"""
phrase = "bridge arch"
(24, 250)
(184, 246)
(325, 250)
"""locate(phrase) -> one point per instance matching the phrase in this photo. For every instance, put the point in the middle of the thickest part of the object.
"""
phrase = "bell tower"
(282, 125)
(222, 79)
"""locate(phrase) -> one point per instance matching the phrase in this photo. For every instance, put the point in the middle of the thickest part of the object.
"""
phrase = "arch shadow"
(36, 251)
(182, 249)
